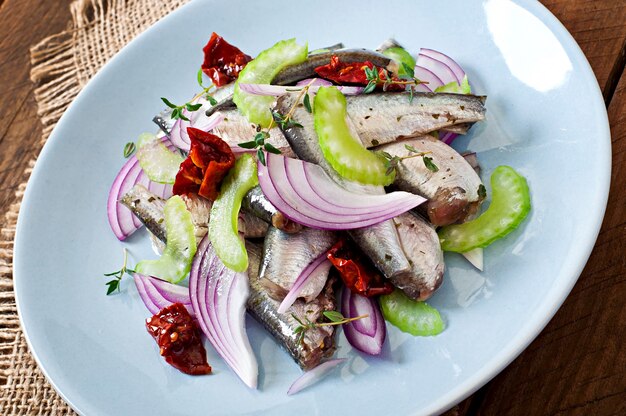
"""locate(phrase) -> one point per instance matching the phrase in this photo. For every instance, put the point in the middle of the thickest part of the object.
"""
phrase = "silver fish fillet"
(455, 192)
(420, 242)
(149, 209)
(385, 117)
(256, 203)
(379, 242)
(317, 343)
(285, 256)
(306, 69)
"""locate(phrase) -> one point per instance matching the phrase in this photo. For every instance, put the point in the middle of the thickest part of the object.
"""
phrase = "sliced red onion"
(313, 376)
(445, 59)
(365, 334)
(319, 266)
(197, 119)
(122, 221)
(304, 193)
(277, 90)
(438, 70)
(218, 296)
(475, 257)
(315, 81)
(157, 294)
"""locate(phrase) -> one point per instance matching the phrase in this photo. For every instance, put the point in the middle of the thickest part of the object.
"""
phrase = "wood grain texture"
(22, 24)
(599, 27)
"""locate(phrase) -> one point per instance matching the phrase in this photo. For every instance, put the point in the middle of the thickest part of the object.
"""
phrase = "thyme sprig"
(373, 77)
(392, 162)
(114, 284)
(129, 149)
(334, 318)
(284, 121)
(177, 110)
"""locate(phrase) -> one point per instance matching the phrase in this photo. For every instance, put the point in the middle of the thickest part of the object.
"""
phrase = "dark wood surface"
(577, 365)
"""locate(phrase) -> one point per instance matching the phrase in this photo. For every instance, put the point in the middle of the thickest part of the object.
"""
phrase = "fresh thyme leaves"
(335, 318)
(392, 162)
(114, 284)
(482, 191)
(177, 110)
(428, 162)
(129, 149)
(373, 76)
(284, 121)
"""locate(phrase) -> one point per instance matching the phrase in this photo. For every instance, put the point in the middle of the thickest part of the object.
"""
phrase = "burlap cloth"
(61, 66)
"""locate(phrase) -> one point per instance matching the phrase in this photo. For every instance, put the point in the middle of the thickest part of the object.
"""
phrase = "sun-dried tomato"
(222, 61)
(357, 271)
(210, 158)
(353, 73)
(178, 338)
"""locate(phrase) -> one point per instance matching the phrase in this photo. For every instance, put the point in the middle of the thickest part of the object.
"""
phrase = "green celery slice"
(175, 263)
(157, 161)
(262, 70)
(510, 204)
(455, 88)
(341, 149)
(401, 56)
(416, 318)
(223, 230)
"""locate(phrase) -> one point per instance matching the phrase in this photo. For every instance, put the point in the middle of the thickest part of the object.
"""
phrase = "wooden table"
(578, 363)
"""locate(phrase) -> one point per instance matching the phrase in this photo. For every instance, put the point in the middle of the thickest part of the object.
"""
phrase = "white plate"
(545, 117)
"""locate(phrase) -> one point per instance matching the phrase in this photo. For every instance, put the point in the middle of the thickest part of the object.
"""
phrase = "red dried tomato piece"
(222, 61)
(210, 158)
(178, 338)
(357, 271)
(352, 73)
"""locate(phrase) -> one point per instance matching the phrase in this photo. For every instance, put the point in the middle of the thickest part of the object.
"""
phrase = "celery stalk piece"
(344, 152)
(223, 231)
(175, 263)
(416, 318)
(262, 70)
(510, 204)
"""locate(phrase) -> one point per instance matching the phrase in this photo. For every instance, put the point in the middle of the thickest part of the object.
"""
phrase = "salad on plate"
(314, 190)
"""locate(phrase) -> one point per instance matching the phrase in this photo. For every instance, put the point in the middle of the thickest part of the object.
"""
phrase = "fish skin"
(452, 192)
(149, 209)
(285, 256)
(421, 244)
(385, 117)
(318, 343)
(256, 203)
(306, 69)
(379, 242)
(235, 129)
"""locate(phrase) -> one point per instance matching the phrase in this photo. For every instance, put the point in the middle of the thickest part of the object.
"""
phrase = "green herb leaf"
(193, 107)
(182, 116)
(371, 86)
(333, 316)
(113, 285)
(168, 103)
(291, 123)
(482, 191)
(200, 78)
(129, 149)
(175, 113)
(409, 71)
(293, 315)
(259, 139)
(248, 145)
(261, 156)
(428, 162)
(271, 149)
(307, 103)
(212, 100)
(411, 148)
(278, 117)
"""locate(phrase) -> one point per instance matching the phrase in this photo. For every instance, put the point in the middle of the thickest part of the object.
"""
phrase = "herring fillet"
(455, 192)
(379, 242)
(285, 256)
